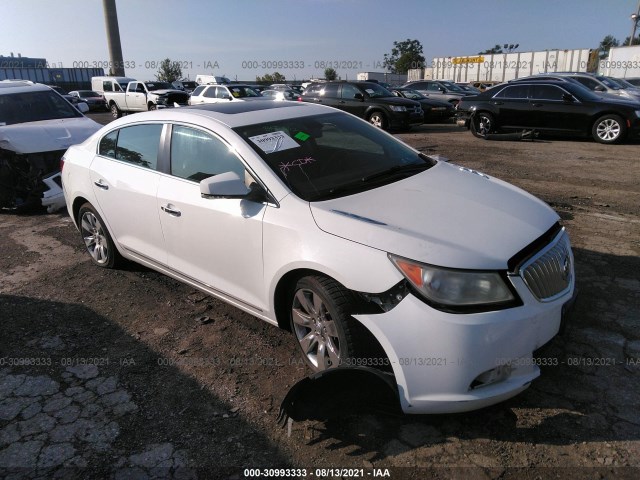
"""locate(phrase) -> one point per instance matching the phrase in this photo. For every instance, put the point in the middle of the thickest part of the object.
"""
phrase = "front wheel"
(96, 238)
(482, 124)
(609, 129)
(378, 119)
(319, 321)
(152, 106)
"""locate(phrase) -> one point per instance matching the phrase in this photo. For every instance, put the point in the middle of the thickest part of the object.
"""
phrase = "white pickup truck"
(137, 96)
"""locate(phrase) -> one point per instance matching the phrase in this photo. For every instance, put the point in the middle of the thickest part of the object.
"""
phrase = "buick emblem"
(566, 268)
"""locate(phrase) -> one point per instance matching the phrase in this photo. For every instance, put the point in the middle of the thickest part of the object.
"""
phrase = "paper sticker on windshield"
(274, 142)
(370, 91)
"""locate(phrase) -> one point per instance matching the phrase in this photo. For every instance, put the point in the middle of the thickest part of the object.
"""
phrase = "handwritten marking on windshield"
(286, 166)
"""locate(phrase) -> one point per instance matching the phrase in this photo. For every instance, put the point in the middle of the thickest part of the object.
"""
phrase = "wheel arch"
(599, 115)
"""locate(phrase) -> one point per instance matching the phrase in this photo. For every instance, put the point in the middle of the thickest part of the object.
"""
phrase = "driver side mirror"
(230, 185)
(567, 97)
(599, 88)
(359, 96)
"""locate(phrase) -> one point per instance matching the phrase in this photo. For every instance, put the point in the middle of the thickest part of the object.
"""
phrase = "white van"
(110, 84)
(211, 80)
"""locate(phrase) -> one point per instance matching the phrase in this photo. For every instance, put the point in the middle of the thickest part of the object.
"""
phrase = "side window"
(108, 144)
(221, 92)
(433, 87)
(139, 145)
(330, 91)
(547, 92)
(514, 91)
(107, 86)
(198, 90)
(588, 82)
(349, 91)
(196, 155)
(210, 92)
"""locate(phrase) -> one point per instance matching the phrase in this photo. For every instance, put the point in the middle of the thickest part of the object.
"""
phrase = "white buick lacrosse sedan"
(369, 251)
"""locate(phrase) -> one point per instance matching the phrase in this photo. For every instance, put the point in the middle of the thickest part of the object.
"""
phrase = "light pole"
(635, 18)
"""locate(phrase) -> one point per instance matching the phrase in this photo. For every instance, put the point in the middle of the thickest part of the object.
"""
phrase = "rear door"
(125, 183)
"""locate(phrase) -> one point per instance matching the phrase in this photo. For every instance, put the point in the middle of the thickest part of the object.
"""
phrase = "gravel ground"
(129, 374)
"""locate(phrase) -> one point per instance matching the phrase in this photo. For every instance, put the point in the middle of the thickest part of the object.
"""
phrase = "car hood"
(46, 135)
(448, 216)
(165, 91)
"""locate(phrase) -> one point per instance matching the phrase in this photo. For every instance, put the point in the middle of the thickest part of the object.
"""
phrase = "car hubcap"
(608, 130)
(376, 120)
(315, 330)
(484, 125)
(94, 238)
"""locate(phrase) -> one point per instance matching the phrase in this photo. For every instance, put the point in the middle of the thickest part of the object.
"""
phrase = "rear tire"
(152, 106)
(378, 119)
(115, 111)
(609, 129)
(97, 240)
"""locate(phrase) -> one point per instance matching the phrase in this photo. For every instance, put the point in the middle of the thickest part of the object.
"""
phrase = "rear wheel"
(609, 129)
(482, 124)
(96, 238)
(320, 322)
(115, 111)
(379, 120)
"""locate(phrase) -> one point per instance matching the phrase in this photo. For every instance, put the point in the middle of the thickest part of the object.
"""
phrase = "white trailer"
(502, 67)
(392, 78)
(623, 62)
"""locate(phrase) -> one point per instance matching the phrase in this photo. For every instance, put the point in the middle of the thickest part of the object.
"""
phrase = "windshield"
(151, 86)
(376, 91)
(33, 107)
(332, 155)
(609, 83)
(242, 91)
(452, 86)
(411, 94)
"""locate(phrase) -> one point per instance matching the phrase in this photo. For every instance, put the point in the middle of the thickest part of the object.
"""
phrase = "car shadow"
(167, 424)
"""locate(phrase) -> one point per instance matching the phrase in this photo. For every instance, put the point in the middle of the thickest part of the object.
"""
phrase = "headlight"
(445, 286)
(638, 113)
(398, 108)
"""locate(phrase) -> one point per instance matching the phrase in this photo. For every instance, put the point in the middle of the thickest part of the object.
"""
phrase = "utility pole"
(113, 38)
(636, 18)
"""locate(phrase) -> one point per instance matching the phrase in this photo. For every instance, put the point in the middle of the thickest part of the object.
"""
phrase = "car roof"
(232, 114)
(21, 86)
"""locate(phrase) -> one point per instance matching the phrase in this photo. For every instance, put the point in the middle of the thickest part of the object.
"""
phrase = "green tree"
(496, 49)
(271, 78)
(330, 74)
(606, 43)
(636, 40)
(404, 56)
(169, 71)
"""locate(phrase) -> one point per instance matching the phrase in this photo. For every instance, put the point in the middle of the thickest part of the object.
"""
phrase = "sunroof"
(243, 107)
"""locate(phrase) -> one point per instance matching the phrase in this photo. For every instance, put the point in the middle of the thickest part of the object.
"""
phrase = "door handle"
(171, 210)
(101, 184)
(537, 104)
(497, 103)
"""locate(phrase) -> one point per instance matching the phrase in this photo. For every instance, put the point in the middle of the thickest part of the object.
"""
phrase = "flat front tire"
(319, 322)
(609, 129)
(96, 237)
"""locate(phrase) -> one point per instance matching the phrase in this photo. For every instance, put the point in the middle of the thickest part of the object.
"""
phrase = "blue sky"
(238, 35)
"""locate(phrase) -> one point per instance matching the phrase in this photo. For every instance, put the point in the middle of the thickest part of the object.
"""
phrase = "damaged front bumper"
(31, 180)
(447, 363)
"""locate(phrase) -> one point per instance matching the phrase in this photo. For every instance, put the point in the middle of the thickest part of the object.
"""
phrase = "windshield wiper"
(397, 170)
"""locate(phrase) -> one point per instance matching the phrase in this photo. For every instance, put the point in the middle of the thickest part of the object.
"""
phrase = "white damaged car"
(370, 252)
(37, 125)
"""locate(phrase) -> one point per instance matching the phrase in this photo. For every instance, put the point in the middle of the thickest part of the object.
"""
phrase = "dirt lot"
(116, 373)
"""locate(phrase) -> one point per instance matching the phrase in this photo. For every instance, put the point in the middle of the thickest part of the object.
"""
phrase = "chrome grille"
(549, 274)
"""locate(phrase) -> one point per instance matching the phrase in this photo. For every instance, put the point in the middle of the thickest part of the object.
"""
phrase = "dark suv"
(366, 100)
